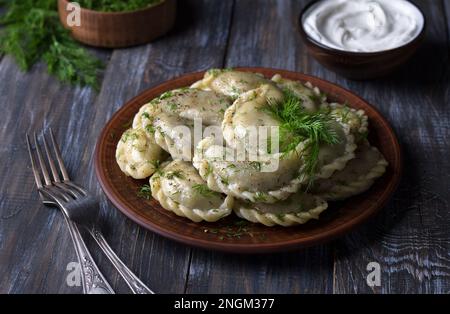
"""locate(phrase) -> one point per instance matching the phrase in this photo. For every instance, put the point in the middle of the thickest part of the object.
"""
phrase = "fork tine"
(59, 158)
(37, 177)
(50, 160)
(44, 170)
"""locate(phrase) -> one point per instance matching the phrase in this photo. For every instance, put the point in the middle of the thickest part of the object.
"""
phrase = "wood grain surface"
(410, 238)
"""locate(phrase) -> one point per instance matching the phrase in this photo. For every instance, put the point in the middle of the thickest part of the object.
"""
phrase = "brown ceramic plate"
(229, 234)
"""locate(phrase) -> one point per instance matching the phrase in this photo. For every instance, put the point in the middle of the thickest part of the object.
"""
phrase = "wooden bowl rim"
(251, 248)
(118, 13)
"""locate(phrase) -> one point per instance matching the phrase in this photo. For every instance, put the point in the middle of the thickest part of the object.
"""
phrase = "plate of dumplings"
(248, 160)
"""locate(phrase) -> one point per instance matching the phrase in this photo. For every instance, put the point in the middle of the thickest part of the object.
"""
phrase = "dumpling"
(190, 104)
(357, 177)
(144, 118)
(247, 112)
(137, 154)
(272, 179)
(356, 119)
(297, 209)
(311, 97)
(334, 157)
(180, 189)
(175, 135)
(186, 103)
(229, 82)
(170, 118)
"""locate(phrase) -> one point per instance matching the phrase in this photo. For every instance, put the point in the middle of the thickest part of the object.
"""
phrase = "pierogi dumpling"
(137, 154)
(270, 180)
(171, 118)
(247, 113)
(334, 157)
(356, 119)
(229, 82)
(297, 209)
(311, 98)
(358, 175)
(180, 189)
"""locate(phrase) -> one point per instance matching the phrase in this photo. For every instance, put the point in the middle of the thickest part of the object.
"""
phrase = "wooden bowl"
(360, 65)
(121, 29)
(339, 218)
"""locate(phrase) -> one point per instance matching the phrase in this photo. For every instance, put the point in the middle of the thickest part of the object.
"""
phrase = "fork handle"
(135, 284)
(92, 279)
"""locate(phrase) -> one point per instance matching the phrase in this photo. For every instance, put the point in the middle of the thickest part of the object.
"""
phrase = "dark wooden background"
(410, 238)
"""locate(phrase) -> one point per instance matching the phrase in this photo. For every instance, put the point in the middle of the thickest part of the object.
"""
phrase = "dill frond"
(298, 125)
(32, 32)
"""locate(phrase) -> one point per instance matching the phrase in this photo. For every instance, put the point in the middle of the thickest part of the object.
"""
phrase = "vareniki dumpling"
(172, 116)
(247, 113)
(270, 180)
(356, 120)
(137, 154)
(297, 209)
(310, 97)
(334, 157)
(180, 189)
(229, 82)
(358, 175)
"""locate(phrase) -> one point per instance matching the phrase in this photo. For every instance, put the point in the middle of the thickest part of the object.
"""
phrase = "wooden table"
(410, 239)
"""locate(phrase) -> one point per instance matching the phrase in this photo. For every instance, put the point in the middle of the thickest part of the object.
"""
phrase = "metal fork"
(78, 208)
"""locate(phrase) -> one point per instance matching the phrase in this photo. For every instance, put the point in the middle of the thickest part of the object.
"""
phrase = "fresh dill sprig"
(145, 191)
(116, 5)
(32, 32)
(298, 125)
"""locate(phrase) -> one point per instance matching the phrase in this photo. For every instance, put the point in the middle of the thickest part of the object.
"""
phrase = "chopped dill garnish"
(260, 197)
(256, 165)
(174, 174)
(146, 115)
(224, 180)
(298, 125)
(172, 106)
(280, 216)
(129, 135)
(149, 128)
(235, 230)
(166, 95)
(203, 189)
(157, 165)
(145, 191)
(209, 170)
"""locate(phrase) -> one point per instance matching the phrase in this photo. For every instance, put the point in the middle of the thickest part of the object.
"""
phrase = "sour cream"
(363, 25)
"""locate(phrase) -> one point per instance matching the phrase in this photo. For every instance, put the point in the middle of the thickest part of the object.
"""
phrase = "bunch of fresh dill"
(32, 32)
(116, 5)
(298, 125)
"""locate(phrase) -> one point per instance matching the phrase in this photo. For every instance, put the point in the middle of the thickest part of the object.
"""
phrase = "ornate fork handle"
(135, 284)
(92, 279)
